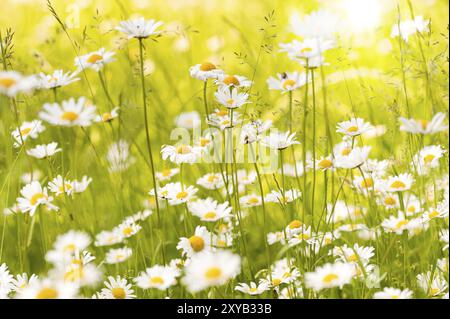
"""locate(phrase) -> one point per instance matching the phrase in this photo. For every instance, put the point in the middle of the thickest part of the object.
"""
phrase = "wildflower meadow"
(224, 149)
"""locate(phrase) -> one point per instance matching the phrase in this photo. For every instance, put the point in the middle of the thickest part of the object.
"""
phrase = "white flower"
(6, 281)
(427, 158)
(181, 153)
(409, 27)
(252, 131)
(399, 183)
(166, 174)
(188, 120)
(287, 81)
(80, 186)
(330, 276)
(119, 157)
(117, 288)
(251, 200)
(13, 83)
(253, 289)
(356, 254)
(114, 256)
(59, 185)
(222, 120)
(231, 98)
(393, 293)
(127, 229)
(211, 269)
(354, 127)
(95, 60)
(424, 127)
(139, 28)
(432, 284)
(279, 141)
(177, 194)
(108, 116)
(27, 130)
(44, 150)
(69, 113)
(318, 24)
(70, 243)
(57, 79)
(355, 158)
(200, 241)
(160, 277)
(308, 52)
(228, 81)
(395, 224)
(49, 289)
(211, 181)
(34, 195)
(108, 238)
(283, 198)
(22, 281)
(209, 210)
(205, 71)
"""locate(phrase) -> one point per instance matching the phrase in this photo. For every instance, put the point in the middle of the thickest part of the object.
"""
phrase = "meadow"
(224, 149)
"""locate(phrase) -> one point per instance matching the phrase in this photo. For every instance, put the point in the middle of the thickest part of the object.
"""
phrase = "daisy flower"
(252, 131)
(355, 158)
(108, 116)
(139, 28)
(160, 277)
(200, 241)
(252, 289)
(324, 163)
(44, 150)
(318, 24)
(434, 213)
(276, 237)
(21, 281)
(211, 181)
(69, 113)
(166, 174)
(399, 183)
(354, 127)
(108, 238)
(181, 153)
(407, 28)
(354, 254)
(209, 269)
(393, 293)
(225, 80)
(6, 281)
(231, 98)
(57, 79)
(396, 224)
(128, 229)
(177, 194)
(279, 141)
(27, 130)
(118, 156)
(117, 288)
(13, 83)
(329, 276)
(432, 284)
(33, 196)
(427, 158)
(277, 197)
(118, 255)
(48, 289)
(251, 200)
(188, 120)
(287, 81)
(208, 210)
(95, 60)
(60, 185)
(424, 127)
(81, 186)
(71, 242)
(224, 121)
(205, 71)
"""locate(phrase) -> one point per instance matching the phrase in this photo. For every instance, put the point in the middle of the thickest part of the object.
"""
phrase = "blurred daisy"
(251, 200)
(108, 116)
(427, 158)
(188, 120)
(59, 185)
(279, 141)
(432, 284)
(118, 156)
(354, 127)
(318, 24)
(48, 289)
(139, 28)
(396, 224)
(205, 71)
(208, 210)
(278, 197)
(181, 153)
(287, 81)
(424, 127)
(57, 79)
(128, 229)
(231, 98)
(95, 60)
(356, 254)
(21, 281)
(115, 256)
(407, 28)
(399, 183)
(13, 83)
(329, 276)
(211, 181)
(253, 130)
(225, 80)
(44, 150)
(6, 281)
(393, 293)
(27, 130)
(117, 288)
(211, 269)
(167, 174)
(108, 238)
(71, 242)
(69, 113)
(160, 277)
(355, 158)
(252, 289)
(34, 195)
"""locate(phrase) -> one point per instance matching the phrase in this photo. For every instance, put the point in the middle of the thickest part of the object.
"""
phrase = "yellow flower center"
(401, 223)
(295, 224)
(207, 66)
(357, 211)
(182, 195)
(412, 209)
(352, 129)
(306, 50)
(204, 141)
(210, 215)
(106, 117)
(276, 282)
(329, 278)
(423, 123)
(433, 291)
(47, 293)
(213, 273)
(346, 151)
(221, 243)
(93, 58)
(127, 231)
(118, 293)
(221, 113)
(288, 84)
(183, 149)
(197, 243)
(36, 197)
(231, 80)
(398, 184)
(367, 182)
(69, 116)
(253, 201)
(352, 258)
(7, 82)
(166, 172)
(230, 101)
(253, 290)
(157, 280)
(70, 248)
(74, 274)
(390, 201)
(325, 163)
(212, 178)
(433, 214)
(429, 158)
(25, 131)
